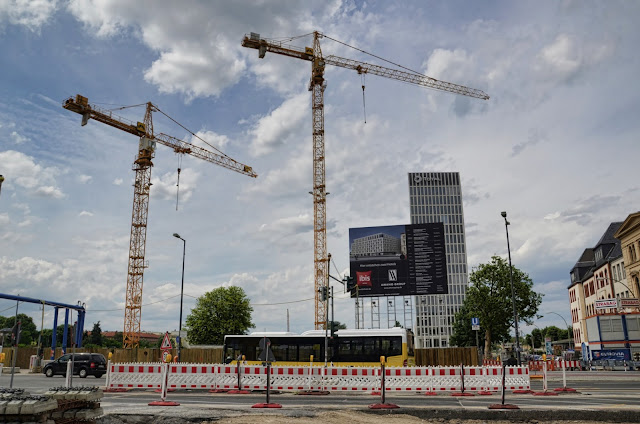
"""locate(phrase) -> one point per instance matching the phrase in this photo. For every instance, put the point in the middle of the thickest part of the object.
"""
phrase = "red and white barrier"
(134, 376)
(338, 379)
(517, 378)
(418, 379)
(192, 376)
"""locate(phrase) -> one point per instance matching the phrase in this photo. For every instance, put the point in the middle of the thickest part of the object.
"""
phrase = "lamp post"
(513, 294)
(568, 328)
(184, 249)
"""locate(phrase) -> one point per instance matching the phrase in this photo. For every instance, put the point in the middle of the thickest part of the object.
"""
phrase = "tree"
(337, 325)
(113, 342)
(96, 335)
(225, 310)
(28, 331)
(489, 299)
(463, 335)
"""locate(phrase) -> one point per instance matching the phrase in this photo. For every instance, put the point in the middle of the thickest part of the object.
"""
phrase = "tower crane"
(317, 85)
(142, 167)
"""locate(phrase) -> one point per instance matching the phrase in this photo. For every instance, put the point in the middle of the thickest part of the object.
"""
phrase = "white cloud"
(118, 181)
(17, 138)
(32, 14)
(561, 56)
(276, 128)
(285, 227)
(21, 170)
(84, 179)
(85, 213)
(210, 138)
(165, 186)
(49, 191)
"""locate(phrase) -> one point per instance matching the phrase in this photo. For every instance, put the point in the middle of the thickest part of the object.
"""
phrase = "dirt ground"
(355, 417)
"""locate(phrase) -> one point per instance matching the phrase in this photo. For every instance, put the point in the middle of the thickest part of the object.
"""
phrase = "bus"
(346, 348)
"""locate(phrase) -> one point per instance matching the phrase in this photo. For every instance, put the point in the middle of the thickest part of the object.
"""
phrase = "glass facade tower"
(437, 197)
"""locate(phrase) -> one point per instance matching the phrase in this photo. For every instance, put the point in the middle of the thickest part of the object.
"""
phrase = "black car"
(84, 364)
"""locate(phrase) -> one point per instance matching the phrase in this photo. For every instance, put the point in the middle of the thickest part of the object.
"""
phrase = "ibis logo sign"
(364, 279)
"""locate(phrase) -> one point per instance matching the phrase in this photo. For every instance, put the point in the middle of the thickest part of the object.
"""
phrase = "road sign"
(166, 342)
(165, 353)
(475, 324)
(266, 355)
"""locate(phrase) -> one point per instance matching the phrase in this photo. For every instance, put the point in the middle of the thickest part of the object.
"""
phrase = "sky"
(553, 146)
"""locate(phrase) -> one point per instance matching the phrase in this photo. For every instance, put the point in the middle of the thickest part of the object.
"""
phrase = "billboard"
(611, 354)
(398, 260)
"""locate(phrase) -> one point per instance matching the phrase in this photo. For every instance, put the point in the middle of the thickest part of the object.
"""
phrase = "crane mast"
(142, 166)
(317, 86)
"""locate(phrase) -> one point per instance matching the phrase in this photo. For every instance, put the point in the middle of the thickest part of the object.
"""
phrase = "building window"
(632, 253)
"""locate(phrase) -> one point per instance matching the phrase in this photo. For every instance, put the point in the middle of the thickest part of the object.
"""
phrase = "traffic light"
(323, 293)
(15, 333)
(351, 283)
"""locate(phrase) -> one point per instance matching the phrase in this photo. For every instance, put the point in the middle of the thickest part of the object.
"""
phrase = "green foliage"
(96, 335)
(113, 342)
(225, 310)
(489, 299)
(29, 333)
(337, 325)
(552, 332)
(463, 335)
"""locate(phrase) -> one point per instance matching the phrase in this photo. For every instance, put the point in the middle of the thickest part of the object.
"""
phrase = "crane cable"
(373, 55)
(364, 106)
(174, 121)
(178, 183)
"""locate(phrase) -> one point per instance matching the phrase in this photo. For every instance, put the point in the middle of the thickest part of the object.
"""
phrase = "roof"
(629, 224)
(608, 236)
(611, 250)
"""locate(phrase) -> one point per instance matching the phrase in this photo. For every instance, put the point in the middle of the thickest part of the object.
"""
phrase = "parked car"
(84, 364)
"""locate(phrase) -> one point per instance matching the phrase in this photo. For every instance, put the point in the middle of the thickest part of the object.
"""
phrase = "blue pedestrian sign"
(475, 324)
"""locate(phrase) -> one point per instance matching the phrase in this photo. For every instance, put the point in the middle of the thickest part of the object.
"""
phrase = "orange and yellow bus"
(346, 348)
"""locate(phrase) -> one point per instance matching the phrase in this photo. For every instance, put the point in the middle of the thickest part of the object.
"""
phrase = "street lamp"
(184, 249)
(568, 328)
(513, 294)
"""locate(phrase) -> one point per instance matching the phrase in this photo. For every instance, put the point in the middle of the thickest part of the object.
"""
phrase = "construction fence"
(309, 378)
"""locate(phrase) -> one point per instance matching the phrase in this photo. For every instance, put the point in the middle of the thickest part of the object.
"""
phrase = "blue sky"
(555, 146)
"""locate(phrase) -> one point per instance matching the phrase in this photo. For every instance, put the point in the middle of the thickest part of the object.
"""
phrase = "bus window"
(370, 351)
(306, 350)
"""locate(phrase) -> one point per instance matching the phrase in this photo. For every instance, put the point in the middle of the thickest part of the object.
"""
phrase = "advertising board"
(614, 354)
(606, 304)
(398, 260)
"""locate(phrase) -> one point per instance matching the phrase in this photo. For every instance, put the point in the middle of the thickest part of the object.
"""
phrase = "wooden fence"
(205, 356)
(448, 356)
(424, 357)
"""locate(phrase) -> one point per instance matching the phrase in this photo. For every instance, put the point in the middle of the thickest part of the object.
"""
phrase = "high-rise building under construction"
(437, 197)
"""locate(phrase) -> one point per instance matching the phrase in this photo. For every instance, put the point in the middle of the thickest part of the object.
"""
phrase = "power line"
(196, 297)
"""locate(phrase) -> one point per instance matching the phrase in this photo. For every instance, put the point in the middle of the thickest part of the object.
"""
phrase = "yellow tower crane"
(317, 85)
(142, 166)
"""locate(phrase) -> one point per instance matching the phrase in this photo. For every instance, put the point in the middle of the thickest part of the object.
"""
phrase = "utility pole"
(15, 345)
(326, 315)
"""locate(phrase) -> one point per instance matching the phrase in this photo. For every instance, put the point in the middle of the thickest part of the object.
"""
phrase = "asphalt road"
(595, 389)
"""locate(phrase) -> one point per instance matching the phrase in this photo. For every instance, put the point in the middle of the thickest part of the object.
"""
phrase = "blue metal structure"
(57, 305)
